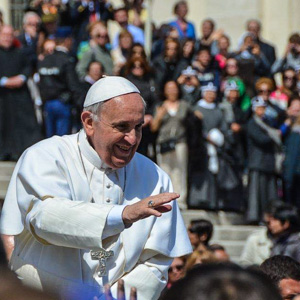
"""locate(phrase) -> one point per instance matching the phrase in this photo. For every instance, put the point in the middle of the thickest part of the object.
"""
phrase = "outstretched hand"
(151, 206)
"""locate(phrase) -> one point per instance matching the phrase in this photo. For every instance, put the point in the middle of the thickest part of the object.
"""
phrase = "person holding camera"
(291, 57)
(170, 122)
(189, 85)
(252, 61)
(30, 37)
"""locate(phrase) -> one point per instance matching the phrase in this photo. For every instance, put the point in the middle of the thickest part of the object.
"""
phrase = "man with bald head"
(87, 210)
(18, 126)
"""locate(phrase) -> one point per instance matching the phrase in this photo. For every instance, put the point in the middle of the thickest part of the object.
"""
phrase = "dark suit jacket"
(29, 49)
(268, 51)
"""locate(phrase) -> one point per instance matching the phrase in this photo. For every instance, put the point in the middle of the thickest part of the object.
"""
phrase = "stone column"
(5, 8)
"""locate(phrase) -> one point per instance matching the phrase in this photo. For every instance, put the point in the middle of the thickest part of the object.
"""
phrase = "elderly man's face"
(6, 36)
(118, 132)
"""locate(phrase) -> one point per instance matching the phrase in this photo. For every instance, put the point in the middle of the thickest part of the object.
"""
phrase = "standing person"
(120, 55)
(231, 73)
(97, 50)
(291, 57)
(58, 86)
(203, 186)
(207, 71)
(185, 28)
(209, 36)
(285, 227)
(168, 65)
(254, 27)
(121, 17)
(139, 73)
(281, 96)
(18, 125)
(262, 143)
(232, 158)
(291, 170)
(29, 38)
(274, 115)
(83, 12)
(96, 214)
(170, 123)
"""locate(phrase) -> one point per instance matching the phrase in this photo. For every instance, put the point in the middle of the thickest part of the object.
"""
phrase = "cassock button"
(107, 200)
(108, 186)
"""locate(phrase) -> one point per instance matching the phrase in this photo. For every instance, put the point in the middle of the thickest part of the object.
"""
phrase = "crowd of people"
(221, 126)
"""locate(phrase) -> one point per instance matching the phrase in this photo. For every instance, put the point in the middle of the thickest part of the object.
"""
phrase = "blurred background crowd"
(222, 120)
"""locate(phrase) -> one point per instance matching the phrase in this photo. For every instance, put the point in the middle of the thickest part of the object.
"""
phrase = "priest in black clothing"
(18, 125)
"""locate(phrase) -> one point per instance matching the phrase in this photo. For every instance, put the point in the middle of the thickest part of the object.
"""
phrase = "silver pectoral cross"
(102, 256)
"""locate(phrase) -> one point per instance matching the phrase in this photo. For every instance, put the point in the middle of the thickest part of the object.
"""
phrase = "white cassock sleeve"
(46, 194)
(149, 277)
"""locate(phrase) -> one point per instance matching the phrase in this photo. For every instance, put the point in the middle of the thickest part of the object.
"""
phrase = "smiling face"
(116, 134)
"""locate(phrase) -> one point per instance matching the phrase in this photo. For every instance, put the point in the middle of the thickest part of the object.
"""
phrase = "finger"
(163, 208)
(163, 198)
(107, 292)
(132, 294)
(121, 290)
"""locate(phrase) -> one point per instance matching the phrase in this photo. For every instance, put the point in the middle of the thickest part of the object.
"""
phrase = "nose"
(131, 137)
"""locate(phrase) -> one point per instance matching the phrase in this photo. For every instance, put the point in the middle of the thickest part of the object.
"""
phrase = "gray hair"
(30, 14)
(97, 108)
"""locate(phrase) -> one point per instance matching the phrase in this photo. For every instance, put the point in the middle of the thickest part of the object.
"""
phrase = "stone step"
(4, 182)
(233, 232)
(6, 168)
(216, 217)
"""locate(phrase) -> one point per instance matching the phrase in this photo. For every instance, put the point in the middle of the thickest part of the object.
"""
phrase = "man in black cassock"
(18, 126)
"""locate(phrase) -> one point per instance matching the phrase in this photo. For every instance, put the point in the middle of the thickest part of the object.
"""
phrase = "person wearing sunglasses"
(97, 51)
(274, 115)
(283, 93)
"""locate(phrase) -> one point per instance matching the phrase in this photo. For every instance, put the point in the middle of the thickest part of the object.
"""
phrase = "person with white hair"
(86, 209)
(29, 37)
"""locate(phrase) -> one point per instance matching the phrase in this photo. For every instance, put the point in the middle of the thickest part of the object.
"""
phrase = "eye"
(139, 126)
(122, 127)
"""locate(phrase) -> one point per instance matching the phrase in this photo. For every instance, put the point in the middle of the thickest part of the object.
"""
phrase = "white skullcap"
(231, 86)
(258, 101)
(209, 87)
(109, 87)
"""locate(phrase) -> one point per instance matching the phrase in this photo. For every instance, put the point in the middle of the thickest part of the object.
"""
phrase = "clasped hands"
(151, 206)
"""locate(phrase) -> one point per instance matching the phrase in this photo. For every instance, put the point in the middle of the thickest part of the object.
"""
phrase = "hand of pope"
(141, 209)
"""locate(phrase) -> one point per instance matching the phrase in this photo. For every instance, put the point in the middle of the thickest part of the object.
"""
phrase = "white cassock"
(57, 206)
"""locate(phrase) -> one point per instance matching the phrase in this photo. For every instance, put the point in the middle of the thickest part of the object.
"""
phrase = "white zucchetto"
(109, 87)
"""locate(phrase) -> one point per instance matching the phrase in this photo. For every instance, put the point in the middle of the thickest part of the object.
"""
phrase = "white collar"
(90, 154)
(62, 49)
(89, 79)
(204, 104)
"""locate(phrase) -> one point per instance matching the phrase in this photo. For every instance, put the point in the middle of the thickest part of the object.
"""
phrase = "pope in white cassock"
(86, 210)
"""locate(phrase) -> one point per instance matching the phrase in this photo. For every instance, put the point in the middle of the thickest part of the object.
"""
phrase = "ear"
(88, 123)
(286, 225)
(203, 237)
